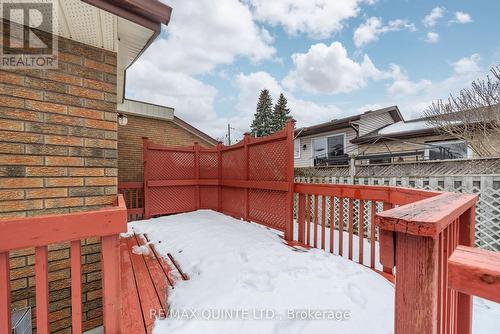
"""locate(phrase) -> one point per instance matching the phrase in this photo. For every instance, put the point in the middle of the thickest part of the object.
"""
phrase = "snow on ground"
(244, 271)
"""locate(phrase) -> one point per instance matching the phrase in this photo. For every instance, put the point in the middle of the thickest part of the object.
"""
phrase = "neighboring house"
(160, 125)
(376, 137)
(59, 136)
(412, 140)
(332, 143)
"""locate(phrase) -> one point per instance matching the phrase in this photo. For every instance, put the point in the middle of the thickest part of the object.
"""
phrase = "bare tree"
(472, 116)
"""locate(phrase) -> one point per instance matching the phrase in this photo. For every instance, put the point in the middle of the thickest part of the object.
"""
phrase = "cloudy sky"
(331, 58)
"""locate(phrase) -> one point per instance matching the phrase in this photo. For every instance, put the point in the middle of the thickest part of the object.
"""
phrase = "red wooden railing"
(424, 237)
(133, 194)
(39, 232)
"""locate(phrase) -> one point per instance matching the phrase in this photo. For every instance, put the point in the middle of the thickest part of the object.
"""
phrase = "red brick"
(65, 78)
(47, 107)
(99, 200)
(11, 194)
(100, 143)
(86, 171)
(101, 67)
(95, 124)
(63, 140)
(11, 102)
(46, 193)
(11, 78)
(100, 181)
(21, 137)
(23, 205)
(69, 58)
(64, 182)
(22, 92)
(26, 160)
(63, 202)
(64, 161)
(99, 85)
(11, 148)
(12, 125)
(61, 119)
(19, 114)
(86, 113)
(46, 171)
(12, 183)
(87, 93)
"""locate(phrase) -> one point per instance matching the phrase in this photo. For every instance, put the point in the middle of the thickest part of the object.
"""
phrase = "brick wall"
(58, 154)
(163, 132)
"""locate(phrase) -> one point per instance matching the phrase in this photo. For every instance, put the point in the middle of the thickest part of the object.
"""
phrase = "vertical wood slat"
(290, 176)
(332, 223)
(361, 230)
(341, 226)
(308, 221)
(316, 214)
(466, 237)
(351, 227)
(42, 289)
(323, 221)
(219, 176)
(373, 211)
(387, 246)
(301, 217)
(76, 287)
(5, 317)
(111, 284)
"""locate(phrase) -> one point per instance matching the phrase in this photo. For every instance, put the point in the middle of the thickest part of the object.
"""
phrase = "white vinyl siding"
(371, 122)
(306, 159)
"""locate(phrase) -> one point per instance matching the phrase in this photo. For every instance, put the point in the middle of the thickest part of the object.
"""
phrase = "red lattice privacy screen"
(252, 179)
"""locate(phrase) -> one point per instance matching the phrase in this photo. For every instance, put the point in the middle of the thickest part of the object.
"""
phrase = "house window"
(328, 148)
(456, 149)
(296, 148)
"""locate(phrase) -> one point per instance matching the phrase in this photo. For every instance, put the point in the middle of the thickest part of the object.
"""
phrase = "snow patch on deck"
(235, 265)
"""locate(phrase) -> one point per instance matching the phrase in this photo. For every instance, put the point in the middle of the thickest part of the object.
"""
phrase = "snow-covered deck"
(245, 279)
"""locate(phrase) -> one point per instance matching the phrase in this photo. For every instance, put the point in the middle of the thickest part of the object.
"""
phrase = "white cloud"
(423, 92)
(374, 27)
(192, 99)
(202, 35)
(462, 18)
(467, 64)
(403, 86)
(329, 70)
(432, 37)
(305, 112)
(316, 18)
(431, 19)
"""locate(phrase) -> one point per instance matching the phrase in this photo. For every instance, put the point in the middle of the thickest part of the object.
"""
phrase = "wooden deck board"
(145, 280)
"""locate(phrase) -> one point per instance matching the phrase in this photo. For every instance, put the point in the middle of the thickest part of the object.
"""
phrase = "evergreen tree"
(281, 114)
(262, 123)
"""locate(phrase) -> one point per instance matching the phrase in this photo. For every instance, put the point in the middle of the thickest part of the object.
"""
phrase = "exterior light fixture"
(122, 119)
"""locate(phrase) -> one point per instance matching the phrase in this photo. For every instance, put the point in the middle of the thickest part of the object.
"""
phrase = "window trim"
(297, 156)
(426, 150)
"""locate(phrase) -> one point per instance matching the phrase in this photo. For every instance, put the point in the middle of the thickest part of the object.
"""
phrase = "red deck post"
(42, 290)
(145, 153)
(290, 174)
(76, 287)
(5, 320)
(111, 285)
(421, 229)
